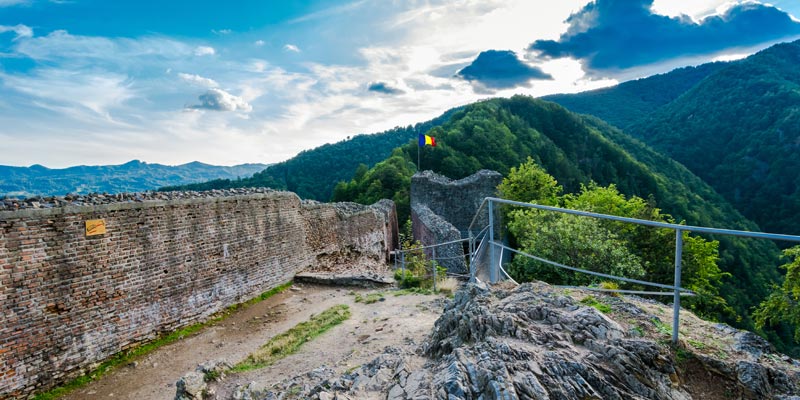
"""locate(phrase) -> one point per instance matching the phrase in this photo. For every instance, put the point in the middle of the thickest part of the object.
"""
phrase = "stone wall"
(342, 236)
(68, 301)
(455, 201)
(430, 228)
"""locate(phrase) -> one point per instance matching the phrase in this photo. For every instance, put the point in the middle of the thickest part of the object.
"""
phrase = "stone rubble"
(194, 385)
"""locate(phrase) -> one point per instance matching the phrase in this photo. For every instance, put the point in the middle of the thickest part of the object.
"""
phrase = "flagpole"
(418, 168)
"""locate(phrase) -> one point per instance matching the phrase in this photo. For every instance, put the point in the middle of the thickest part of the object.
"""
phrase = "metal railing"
(675, 289)
(433, 258)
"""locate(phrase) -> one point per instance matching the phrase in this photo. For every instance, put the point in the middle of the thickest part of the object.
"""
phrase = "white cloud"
(198, 80)
(21, 31)
(221, 32)
(74, 93)
(109, 99)
(204, 51)
(220, 100)
(77, 50)
(9, 3)
(329, 12)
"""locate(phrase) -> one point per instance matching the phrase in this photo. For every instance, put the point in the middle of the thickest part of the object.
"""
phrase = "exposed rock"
(213, 370)
(191, 386)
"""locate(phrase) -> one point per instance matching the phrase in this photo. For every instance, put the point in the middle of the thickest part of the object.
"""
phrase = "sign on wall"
(95, 227)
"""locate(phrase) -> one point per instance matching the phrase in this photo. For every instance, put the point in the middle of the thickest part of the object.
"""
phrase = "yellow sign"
(95, 227)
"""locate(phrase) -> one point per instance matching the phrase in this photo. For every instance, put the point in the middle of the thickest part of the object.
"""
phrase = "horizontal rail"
(689, 228)
(626, 291)
(430, 246)
(586, 271)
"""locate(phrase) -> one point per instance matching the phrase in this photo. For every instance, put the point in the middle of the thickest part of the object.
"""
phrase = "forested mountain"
(739, 130)
(736, 125)
(133, 176)
(501, 133)
(626, 103)
(312, 174)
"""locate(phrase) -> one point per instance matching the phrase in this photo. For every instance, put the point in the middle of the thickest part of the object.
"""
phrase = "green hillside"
(733, 124)
(739, 130)
(501, 133)
(626, 103)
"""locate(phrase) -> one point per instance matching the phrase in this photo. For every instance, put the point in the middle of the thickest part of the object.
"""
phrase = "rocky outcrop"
(541, 342)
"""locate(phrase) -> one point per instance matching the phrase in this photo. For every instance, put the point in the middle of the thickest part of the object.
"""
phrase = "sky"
(94, 82)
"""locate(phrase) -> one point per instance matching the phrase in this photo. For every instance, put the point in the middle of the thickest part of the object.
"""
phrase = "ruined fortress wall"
(431, 229)
(455, 201)
(68, 301)
(346, 234)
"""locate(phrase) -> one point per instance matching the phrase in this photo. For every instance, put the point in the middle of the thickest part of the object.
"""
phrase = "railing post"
(492, 267)
(403, 264)
(471, 258)
(433, 265)
(676, 302)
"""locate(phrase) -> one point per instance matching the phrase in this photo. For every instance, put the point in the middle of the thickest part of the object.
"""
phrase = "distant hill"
(312, 174)
(626, 103)
(736, 125)
(133, 176)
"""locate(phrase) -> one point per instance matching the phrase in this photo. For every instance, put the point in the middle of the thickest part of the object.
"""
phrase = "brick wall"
(69, 301)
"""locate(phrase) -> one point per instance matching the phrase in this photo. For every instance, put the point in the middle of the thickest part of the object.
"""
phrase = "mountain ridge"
(733, 124)
(132, 176)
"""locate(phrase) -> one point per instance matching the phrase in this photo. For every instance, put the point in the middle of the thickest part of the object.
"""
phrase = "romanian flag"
(425, 139)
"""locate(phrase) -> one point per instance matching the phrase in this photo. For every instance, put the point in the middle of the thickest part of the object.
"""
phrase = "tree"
(530, 183)
(613, 247)
(783, 305)
(571, 240)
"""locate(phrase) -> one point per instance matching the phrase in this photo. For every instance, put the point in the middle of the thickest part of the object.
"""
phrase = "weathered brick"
(162, 265)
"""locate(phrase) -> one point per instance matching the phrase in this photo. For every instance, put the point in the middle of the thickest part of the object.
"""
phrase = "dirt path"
(396, 321)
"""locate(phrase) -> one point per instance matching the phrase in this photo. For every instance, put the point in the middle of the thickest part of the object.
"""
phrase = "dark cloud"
(220, 100)
(619, 34)
(500, 69)
(385, 88)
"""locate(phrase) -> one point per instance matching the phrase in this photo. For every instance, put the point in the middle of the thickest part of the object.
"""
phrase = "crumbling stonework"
(442, 210)
(430, 228)
(455, 201)
(69, 301)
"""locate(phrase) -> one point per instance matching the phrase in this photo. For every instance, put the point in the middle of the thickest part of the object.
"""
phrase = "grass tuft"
(369, 298)
(448, 286)
(290, 341)
(413, 290)
(592, 302)
(127, 356)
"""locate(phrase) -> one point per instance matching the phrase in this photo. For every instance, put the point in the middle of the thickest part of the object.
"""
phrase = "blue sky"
(104, 82)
